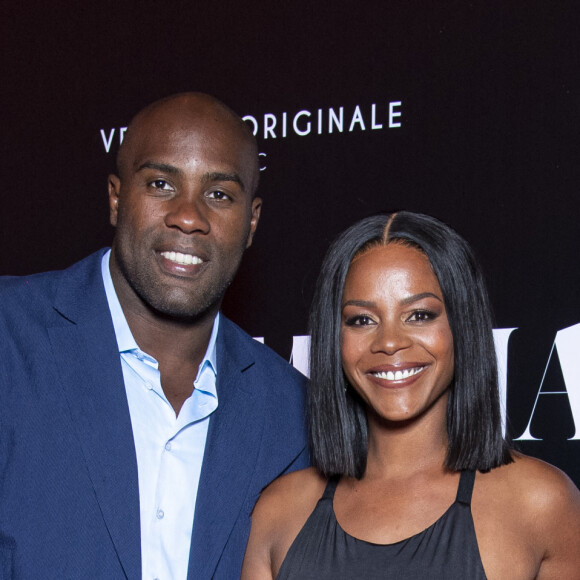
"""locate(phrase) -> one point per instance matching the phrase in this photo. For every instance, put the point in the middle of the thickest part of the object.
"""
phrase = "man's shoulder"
(260, 354)
(34, 291)
(27, 292)
(48, 277)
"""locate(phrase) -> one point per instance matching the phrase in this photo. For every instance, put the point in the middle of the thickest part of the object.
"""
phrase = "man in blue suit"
(137, 424)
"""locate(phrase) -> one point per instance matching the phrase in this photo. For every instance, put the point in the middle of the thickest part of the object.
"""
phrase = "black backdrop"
(486, 96)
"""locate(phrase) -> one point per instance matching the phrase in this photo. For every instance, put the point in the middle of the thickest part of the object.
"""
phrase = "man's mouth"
(398, 375)
(182, 259)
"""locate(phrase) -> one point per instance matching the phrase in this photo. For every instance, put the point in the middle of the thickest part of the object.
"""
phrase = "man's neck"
(162, 336)
(167, 339)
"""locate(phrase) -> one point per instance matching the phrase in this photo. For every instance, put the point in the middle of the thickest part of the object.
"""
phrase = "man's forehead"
(187, 111)
(172, 128)
(185, 129)
(187, 155)
(189, 146)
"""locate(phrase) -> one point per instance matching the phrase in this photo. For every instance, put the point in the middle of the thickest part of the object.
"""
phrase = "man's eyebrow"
(164, 167)
(219, 176)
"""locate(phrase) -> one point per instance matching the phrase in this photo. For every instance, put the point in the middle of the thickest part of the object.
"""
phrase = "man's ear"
(256, 210)
(114, 185)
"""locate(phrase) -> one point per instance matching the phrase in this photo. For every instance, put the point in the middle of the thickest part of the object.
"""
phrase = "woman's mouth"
(398, 375)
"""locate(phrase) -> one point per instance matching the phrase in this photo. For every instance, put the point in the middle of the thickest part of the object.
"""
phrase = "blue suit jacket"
(69, 503)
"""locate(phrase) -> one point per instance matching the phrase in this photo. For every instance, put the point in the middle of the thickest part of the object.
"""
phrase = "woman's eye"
(359, 320)
(421, 316)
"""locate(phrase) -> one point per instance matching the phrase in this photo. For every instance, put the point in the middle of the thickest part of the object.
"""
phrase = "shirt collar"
(125, 340)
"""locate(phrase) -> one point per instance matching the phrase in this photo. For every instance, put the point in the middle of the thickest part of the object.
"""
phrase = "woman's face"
(396, 343)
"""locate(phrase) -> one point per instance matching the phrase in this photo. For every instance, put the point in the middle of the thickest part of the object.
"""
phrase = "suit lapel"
(231, 452)
(86, 355)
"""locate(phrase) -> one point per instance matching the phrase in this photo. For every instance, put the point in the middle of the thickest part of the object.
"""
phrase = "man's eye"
(161, 184)
(218, 194)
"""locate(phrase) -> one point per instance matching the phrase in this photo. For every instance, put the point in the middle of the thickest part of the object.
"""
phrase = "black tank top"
(445, 550)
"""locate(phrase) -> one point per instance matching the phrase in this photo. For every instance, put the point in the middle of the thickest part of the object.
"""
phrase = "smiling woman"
(413, 478)
(396, 344)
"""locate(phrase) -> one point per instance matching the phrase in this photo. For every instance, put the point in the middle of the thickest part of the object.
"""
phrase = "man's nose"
(188, 214)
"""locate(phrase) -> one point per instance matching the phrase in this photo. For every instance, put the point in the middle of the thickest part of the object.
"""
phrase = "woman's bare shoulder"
(290, 492)
(533, 484)
(277, 519)
(527, 517)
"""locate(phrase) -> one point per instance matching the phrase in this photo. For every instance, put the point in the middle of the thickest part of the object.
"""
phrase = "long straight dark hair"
(338, 423)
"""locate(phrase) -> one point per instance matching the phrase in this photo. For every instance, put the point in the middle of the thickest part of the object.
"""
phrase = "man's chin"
(186, 311)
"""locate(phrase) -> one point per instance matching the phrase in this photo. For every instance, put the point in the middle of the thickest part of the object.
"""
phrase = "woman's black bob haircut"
(338, 424)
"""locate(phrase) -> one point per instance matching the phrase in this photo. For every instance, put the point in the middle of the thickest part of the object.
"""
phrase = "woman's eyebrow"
(417, 297)
(362, 303)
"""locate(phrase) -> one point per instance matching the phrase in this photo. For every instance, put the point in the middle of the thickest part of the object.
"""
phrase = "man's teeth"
(398, 375)
(182, 259)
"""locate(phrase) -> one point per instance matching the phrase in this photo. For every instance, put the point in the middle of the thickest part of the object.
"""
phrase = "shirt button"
(168, 446)
(149, 386)
(160, 514)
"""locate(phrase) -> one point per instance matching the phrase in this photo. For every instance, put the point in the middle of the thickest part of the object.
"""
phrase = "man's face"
(183, 210)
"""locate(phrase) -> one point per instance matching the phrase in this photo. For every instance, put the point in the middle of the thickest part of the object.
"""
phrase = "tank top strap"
(465, 489)
(331, 487)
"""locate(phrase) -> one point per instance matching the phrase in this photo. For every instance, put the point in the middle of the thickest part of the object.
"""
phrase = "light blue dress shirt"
(169, 448)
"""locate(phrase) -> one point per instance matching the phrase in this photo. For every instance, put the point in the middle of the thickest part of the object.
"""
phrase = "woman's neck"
(406, 447)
